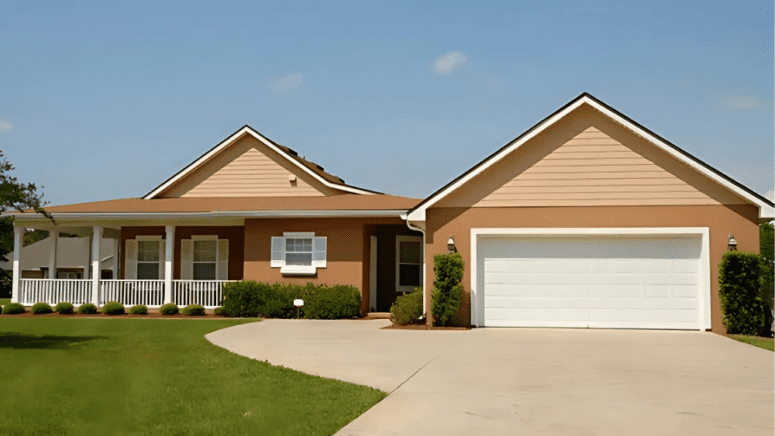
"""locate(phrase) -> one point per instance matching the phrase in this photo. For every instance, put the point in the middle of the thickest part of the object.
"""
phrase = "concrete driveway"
(528, 381)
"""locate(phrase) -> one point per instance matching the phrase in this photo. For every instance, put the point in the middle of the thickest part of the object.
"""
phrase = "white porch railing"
(208, 293)
(132, 292)
(53, 291)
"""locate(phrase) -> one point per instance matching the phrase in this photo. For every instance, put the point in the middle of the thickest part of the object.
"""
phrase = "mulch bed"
(421, 327)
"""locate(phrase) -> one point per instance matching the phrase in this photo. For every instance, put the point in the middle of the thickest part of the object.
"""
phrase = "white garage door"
(611, 281)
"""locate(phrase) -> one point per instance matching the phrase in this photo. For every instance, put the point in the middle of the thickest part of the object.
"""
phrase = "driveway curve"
(528, 381)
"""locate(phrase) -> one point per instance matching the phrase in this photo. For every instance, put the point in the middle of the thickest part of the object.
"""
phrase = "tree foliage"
(447, 293)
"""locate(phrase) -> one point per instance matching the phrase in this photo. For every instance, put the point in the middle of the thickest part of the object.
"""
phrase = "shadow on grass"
(13, 340)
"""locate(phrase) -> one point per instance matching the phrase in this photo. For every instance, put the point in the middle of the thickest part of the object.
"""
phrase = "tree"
(766, 248)
(17, 196)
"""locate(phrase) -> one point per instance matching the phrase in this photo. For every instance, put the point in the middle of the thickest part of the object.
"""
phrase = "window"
(300, 253)
(205, 259)
(408, 263)
(68, 275)
(148, 260)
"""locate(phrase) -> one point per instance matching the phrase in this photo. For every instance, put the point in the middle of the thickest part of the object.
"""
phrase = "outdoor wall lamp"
(732, 243)
(451, 244)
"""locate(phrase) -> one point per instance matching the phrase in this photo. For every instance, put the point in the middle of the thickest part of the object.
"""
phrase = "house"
(247, 209)
(588, 219)
(72, 261)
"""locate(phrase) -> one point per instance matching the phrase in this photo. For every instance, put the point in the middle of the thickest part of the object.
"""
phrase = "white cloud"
(743, 102)
(770, 195)
(288, 82)
(449, 62)
(5, 126)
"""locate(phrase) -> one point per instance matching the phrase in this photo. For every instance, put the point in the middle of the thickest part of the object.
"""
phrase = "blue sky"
(103, 100)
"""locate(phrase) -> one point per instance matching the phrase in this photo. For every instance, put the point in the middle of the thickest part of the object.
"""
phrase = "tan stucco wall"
(739, 220)
(347, 251)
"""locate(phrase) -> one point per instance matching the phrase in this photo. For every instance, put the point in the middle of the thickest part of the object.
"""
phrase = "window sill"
(298, 270)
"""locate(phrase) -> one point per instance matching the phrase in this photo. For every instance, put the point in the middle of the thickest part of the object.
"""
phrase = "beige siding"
(248, 169)
(589, 162)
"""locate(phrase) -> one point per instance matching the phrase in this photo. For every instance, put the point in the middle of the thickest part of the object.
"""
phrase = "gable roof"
(765, 206)
(311, 168)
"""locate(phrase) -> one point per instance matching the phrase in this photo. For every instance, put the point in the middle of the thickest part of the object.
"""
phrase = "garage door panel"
(591, 281)
(537, 290)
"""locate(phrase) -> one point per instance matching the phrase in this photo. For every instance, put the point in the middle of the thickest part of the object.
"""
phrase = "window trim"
(399, 240)
(300, 270)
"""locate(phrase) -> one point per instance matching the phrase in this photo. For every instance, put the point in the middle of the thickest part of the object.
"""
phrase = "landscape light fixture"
(298, 303)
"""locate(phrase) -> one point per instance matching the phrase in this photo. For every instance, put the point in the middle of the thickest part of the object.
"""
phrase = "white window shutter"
(278, 252)
(130, 262)
(162, 253)
(222, 269)
(186, 259)
(319, 247)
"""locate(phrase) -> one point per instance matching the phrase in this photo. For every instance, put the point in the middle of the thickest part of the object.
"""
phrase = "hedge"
(64, 308)
(113, 308)
(41, 308)
(13, 309)
(447, 291)
(169, 309)
(407, 309)
(139, 309)
(253, 299)
(739, 285)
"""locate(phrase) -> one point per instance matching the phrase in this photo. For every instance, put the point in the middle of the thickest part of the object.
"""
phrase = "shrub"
(13, 309)
(41, 308)
(87, 309)
(447, 290)
(336, 302)
(113, 308)
(407, 309)
(767, 255)
(169, 309)
(218, 311)
(739, 282)
(193, 310)
(252, 299)
(64, 308)
(139, 309)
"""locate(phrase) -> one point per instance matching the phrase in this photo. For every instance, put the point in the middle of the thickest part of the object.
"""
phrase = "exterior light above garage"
(732, 243)
(451, 244)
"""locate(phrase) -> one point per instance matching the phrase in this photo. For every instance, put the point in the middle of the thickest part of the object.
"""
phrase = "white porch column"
(168, 259)
(52, 259)
(116, 243)
(96, 239)
(18, 241)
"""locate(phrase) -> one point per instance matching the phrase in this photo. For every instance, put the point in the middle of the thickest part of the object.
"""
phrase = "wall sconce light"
(451, 245)
(732, 243)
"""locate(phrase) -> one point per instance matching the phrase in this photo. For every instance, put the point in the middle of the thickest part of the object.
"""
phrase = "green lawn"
(156, 377)
(756, 341)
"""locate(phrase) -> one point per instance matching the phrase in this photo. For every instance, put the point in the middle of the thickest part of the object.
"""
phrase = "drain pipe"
(411, 226)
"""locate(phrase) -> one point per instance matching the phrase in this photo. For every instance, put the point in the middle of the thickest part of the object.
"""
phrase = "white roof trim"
(230, 140)
(765, 210)
(31, 217)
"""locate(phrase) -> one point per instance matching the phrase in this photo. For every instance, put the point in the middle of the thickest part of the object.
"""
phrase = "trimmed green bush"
(169, 309)
(64, 308)
(193, 310)
(407, 309)
(767, 256)
(447, 290)
(336, 302)
(13, 309)
(41, 308)
(252, 299)
(739, 281)
(113, 308)
(87, 309)
(218, 311)
(139, 309)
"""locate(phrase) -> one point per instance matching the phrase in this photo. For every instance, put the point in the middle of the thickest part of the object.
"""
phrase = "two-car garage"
(591, 278)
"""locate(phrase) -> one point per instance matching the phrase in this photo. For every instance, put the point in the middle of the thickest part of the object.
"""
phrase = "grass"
(157, 377)
(756, 341)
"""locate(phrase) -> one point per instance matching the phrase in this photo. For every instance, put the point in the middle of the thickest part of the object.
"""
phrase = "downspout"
(424, 275)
